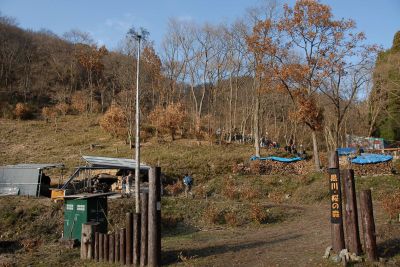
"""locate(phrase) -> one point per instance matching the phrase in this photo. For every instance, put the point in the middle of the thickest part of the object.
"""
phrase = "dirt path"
(299, 241)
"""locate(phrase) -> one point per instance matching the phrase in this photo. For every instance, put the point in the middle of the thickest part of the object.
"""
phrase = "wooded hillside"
(280, 73)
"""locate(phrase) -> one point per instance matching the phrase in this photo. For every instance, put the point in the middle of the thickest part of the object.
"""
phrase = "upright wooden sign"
(336, 196)
(336, 202)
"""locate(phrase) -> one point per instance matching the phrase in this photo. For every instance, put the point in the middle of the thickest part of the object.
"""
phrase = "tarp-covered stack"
(372, 164)
(272, 165)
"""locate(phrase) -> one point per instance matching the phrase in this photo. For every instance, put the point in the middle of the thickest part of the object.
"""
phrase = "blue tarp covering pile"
(345, 151)
(286, 160)
(371, 158)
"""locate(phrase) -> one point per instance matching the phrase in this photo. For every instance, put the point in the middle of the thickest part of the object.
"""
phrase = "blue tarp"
(277, 159)
(371, 158)
(345, 151)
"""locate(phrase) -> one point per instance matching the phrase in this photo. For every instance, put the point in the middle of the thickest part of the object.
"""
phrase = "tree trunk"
(315, 151)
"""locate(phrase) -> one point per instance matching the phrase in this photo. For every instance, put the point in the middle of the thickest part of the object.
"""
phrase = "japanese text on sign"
(334, 188)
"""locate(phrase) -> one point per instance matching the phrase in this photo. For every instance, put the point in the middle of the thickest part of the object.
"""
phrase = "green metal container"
(79, 211)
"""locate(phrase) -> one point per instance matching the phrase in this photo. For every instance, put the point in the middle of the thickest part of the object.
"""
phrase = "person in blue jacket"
(188, 182)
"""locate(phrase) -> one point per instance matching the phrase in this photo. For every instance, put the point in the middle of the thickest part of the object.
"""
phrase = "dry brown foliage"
(174, 189)
(240, 168)
(96, 107)
(308, 112)
(30, 244)
(22, 111)
(200, 191)
(46, 113)
(276, 197)
(391, 204)
(231, 218)
(250, 193)
(80, 101)
(169, 221)
(258, 214)
(229, 190)
(168, 119)
(211, 214)
(62, 108)
(114, 122)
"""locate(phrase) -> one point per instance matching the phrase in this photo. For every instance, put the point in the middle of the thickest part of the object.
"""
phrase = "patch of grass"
(380, 186)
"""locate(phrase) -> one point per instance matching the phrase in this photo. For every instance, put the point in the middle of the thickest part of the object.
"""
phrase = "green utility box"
(82, 210)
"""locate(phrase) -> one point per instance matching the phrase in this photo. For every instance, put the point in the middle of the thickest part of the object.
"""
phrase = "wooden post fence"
(106, 248)
(111, 256)
(154, 217)
(101, 247)
(136, 239)
(353, 242)
(337, 232)
(96, 246)
(140, 242)
(116, 247)
(144, 229)
(368, 225)
(88, 240)
(129, 232)
(122, 239)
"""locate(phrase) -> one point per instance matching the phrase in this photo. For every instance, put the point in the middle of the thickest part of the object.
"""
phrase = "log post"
(101, 246)
(129, 232)
(143, 240)
(154, 218)
(136, 239)
(116, 248)
(122, 246)
(337, 232)
(368, 225)
(96, 246)
(106, 248)
(111, 257)
(353, 242)
(88, 240)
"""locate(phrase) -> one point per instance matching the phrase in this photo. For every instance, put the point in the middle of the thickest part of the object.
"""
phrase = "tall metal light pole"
(137, 137)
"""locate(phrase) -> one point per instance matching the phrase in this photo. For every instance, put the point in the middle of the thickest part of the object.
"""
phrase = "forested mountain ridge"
(385, 112)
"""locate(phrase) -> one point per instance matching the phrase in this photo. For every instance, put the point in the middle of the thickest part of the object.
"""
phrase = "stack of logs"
(372, 168)
(266, 167)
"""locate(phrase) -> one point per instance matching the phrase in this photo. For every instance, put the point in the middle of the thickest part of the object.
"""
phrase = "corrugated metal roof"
(35, 166)
(114, 162)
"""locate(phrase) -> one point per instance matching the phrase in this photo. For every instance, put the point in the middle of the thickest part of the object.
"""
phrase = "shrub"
(258, 214)
(200, 191)
(114, 122)
(174, 189)
(46, 113)
(212, 214)
(22, 111)
(62, 108)
(231, 218)
(49, 113)
(229, 190)
(170, 221)
(250, 193)
(96, 107)
(168, 119)
(80, 101)
(391, 204)
(7, 110)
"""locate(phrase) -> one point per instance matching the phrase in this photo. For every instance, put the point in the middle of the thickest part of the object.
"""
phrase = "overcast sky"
(108, 21)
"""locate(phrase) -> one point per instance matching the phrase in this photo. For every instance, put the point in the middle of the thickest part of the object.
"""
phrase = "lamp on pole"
(139, 36)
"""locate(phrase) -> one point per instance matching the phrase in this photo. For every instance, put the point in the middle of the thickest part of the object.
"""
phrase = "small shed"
(79, 209)
(26, 179)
